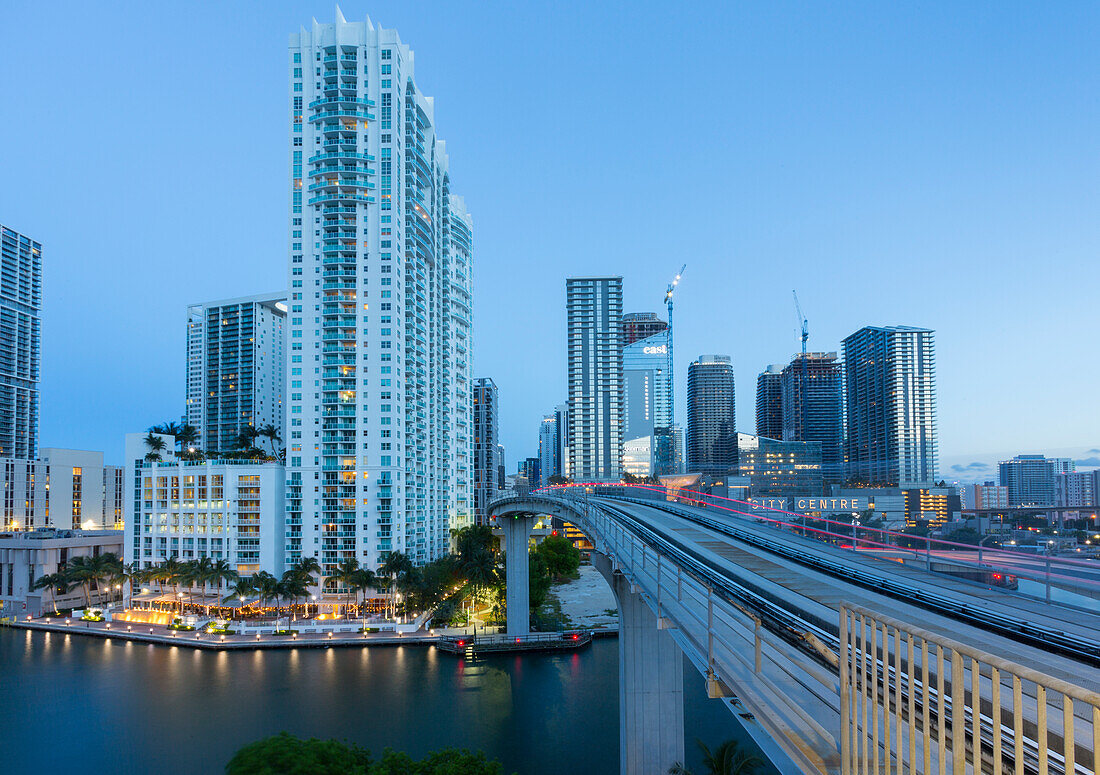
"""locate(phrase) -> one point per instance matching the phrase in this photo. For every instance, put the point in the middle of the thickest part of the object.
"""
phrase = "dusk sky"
(922, 164)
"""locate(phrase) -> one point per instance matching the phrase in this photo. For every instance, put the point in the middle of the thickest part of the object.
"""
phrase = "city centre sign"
(658, 350)
(810, 504)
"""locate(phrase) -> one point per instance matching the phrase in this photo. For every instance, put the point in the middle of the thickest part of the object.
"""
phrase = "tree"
(242, 590)
(562, 558)
(285, 754)
(187, 436)
(449, 761)
(346, 574)
(246, 438)
(154, 443)
(271, 433)
(267, 587)
(364, 579)
(307, 567)
(539, 583)
(83, 571)
(57, 583)
(727, 759)
(556, 479)
(395, 565)
(293, 585)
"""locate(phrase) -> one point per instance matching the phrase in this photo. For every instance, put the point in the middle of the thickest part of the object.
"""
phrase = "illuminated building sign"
(657, 350)
(810, 504)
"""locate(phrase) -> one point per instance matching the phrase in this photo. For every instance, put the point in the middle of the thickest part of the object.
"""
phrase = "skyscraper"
(549, 462)
(565, 444)
(1030, 478)
(379, 276)
(890, 389)
(711, 426)
(769, 402)
(236, 367)
(594, 313)
(20, 327)
(488, 460)
(813, 408)
(641, 325)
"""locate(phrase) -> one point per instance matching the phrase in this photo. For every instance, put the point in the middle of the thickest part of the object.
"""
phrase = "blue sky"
(926, 164)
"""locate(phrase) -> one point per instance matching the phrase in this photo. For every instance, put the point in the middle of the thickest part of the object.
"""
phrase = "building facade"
(549, 462)
(711, 420)
(488, 461)
(1029, 479)
(778, 468)
(531, 469)
(890, 391)
(26, 556)
(20, 333)
(813, 408)
(641, 325)
(226, 510)
(236, 368)
(989, 496)
(594, 314)
(1077, 488)
(63, 489)
(769, 402)
(379, 324)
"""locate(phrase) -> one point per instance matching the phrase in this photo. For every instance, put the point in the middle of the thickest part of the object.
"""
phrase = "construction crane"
(668, 357)
(800, 395)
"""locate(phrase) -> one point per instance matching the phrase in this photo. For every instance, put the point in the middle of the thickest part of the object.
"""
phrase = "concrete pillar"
(651, 683)
(517, 534)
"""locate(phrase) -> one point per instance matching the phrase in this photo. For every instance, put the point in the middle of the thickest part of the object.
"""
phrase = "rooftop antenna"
(805, 326)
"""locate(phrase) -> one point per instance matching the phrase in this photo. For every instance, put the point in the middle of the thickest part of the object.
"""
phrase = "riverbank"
(163, 636)
(587, 601)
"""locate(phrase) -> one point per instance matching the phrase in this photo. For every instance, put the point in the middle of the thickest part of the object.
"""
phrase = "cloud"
(1094, 452)
(1088, 461)
(975, 466)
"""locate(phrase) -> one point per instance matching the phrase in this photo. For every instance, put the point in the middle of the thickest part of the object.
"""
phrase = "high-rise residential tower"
(813, 408)
(549, 462)
(379, 275)
(594, 312)
(487, 457)
(20, 326)
(1030, 479)
(711, 431)
(769, 402)
(890, 390)
(236, 368)
(641, 325)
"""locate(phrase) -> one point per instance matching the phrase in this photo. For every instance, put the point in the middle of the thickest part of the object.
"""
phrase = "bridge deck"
(821, 594)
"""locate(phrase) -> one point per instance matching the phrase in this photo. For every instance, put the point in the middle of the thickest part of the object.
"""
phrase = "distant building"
(565, 443)
(65, 489)
(488, 457)
(226, 510)
(890, 390)
(647, 406)
(813, 408)
(501, 469)
(641, 325)
(236, 368)
(778, 468)
(638, 456)
(530, 468)
(711, 427)
(933, 505)
(1077, 488)
(20, 331)
(989, 496)
(769, 402)
(594, 307)
(26, 556)
(549, 460)
(1030, 478)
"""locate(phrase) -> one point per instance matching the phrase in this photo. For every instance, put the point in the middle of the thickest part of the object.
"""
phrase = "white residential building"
(236, 367)
(221, 509)
(64, 489)
(378, 421)
(20, 327)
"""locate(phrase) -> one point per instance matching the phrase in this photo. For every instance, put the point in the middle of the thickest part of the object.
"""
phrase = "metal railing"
(916, 701)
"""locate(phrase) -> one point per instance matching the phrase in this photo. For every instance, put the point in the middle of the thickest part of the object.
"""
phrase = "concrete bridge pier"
(651, 683)
(517, 536)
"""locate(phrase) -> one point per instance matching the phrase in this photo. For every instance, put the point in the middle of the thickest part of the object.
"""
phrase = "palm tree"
(202, 573)
(221, 571)
(83, 571)
(154, 442)
(171, 571)
(362, 580)
(246, 438)
(267, 587)
(57, 583)
(187, 435)
(394, 565)
(271, 433)
(292, 586)
(727, 759)
(307, 566)
(345, 574)
(242, 590)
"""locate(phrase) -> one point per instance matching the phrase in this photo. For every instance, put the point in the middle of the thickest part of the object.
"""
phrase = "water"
(99, 706)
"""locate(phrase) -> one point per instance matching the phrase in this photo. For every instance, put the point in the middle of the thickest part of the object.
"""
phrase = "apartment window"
(297, 57)
(387, 54)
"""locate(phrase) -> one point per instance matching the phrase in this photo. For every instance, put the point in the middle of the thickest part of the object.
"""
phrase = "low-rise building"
(28, 555)
(221, 509)
(67, 489)
(990, 496)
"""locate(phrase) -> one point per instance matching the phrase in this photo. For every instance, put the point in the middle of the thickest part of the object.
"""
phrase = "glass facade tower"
(20, 333)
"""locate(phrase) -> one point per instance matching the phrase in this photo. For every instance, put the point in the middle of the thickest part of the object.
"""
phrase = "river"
(73, 703)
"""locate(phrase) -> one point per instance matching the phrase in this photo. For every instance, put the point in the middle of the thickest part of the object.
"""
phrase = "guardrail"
(1048, 571)
(911, 698)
